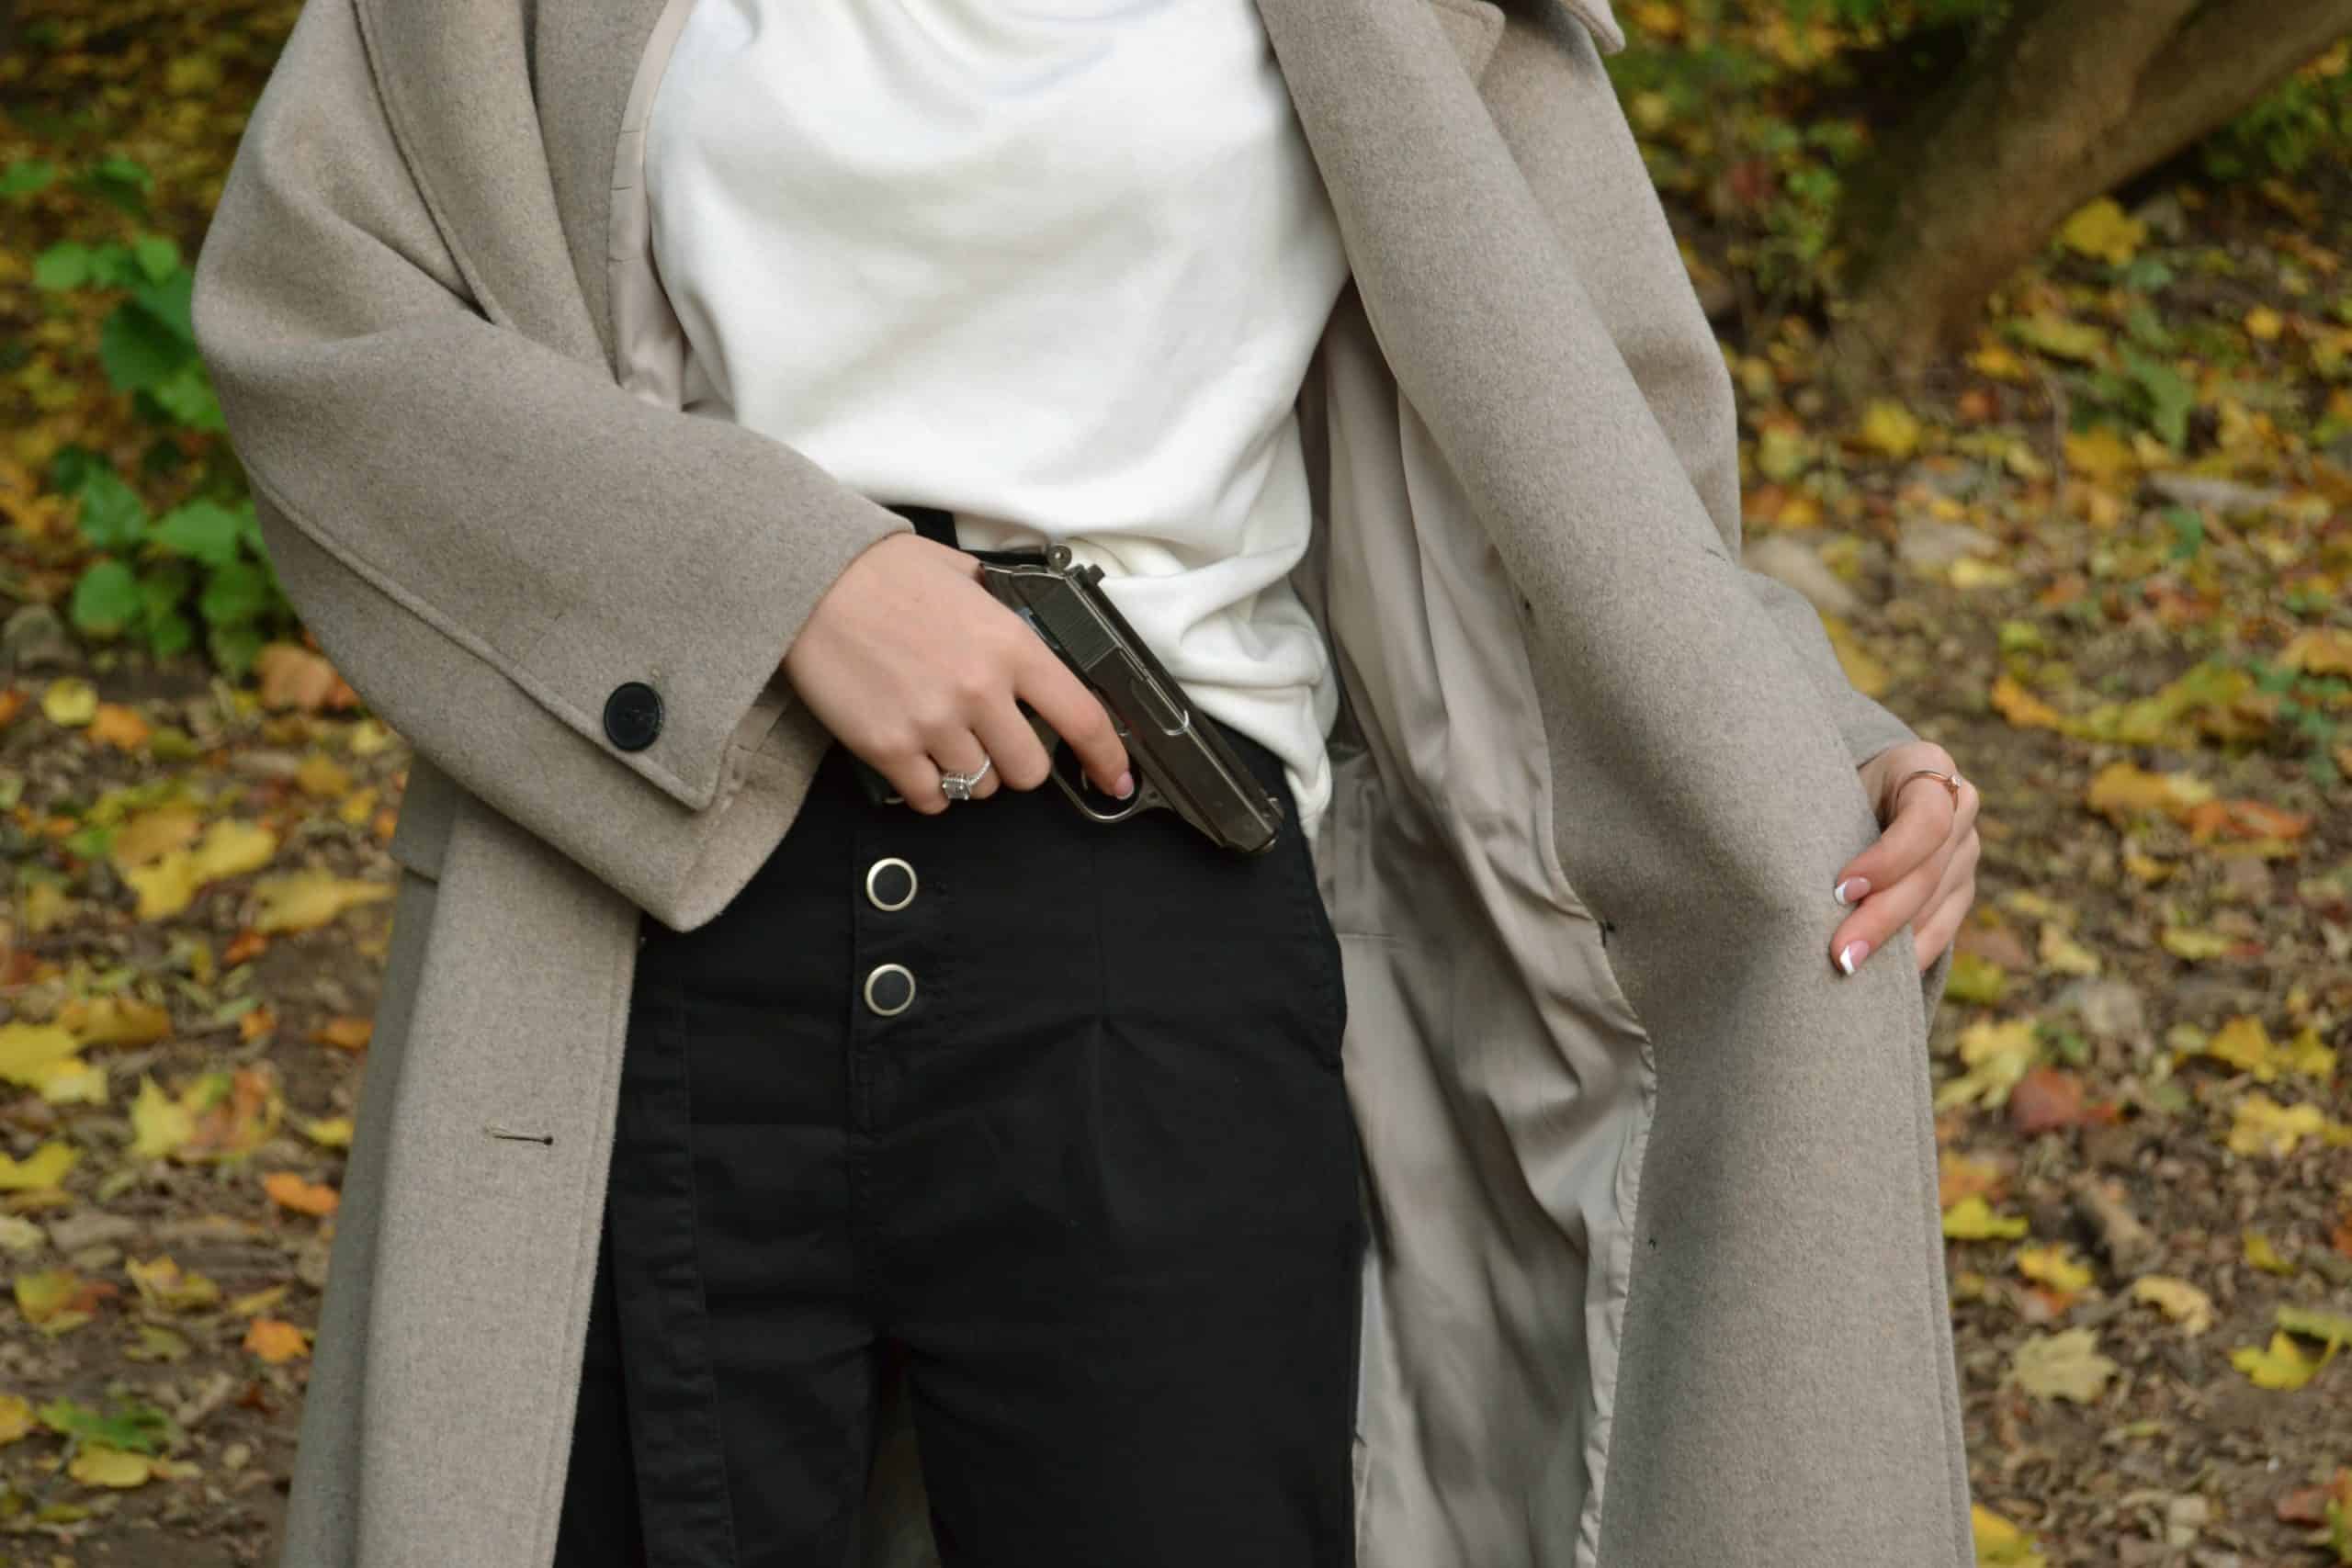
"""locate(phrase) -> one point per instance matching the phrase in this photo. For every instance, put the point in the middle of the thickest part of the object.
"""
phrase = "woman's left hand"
(1922, 870)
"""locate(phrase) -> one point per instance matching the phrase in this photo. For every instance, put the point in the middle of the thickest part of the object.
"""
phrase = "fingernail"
(1852, 957)
(1127, 785)
(1851, 890)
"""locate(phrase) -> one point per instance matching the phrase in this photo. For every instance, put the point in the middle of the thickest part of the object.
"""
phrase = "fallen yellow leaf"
(2186, 941)
(56, 1299)
(26, 1048)
(1973, 1219)
(165, 886)
(2260, 1254)
(71, 701)
(159, 1124)
(230, 848)
(2000, 1544)
(2065, 1365)
(162, 1284)
(1997, 1054)
(70, 1082)
(321, 774)
(2101, 455)
(2178, 1299)
(2283, 1365)
(275, 1340)
(311, 899)
(2245, 1045)
(1969, 573)
(2056, 1267)
(115, 1021)
(2319, 651)
(2331, 1328)
(258, 1301)
(1998, 361)
(99, 1465)
(2120, 790)
(2021, 707)
(149, 836)
(2264, 324)
(2062, 954)
(2263, 1126)
(45, 1166)
(2104, 231)
(1890, 428)
(328, 1132)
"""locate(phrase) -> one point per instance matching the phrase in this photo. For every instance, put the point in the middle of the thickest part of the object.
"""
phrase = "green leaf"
(169, 633)
(2189, 530)
(105, 600)
(171, 300)
(235, 648)
(158, 256)
(165, 583)
(72, 466)
(202, 530)
(138, 349)
(26, 176)
(113, 517)
(132, 1424)
(63, 265)
(119, 180)
(187, 396)
(2170, 397)
(113, 266)
(237, 593)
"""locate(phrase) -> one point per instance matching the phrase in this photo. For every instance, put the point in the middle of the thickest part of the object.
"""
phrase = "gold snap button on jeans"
(890, 989)
(881, 878)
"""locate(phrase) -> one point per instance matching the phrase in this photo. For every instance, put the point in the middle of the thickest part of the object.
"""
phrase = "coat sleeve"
(1607, 214)
(490, 536)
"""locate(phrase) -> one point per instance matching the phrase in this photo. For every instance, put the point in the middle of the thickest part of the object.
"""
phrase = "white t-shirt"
(1055, 266)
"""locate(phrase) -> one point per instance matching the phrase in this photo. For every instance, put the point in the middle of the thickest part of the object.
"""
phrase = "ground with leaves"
(2103, 560)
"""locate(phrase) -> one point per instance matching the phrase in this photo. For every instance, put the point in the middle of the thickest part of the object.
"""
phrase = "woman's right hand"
(915, 667)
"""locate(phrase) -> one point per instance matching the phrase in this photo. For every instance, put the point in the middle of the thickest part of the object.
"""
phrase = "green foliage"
(147, 345)
(2309, 117)
(132, 1424)
(200, 570)
(203, 555)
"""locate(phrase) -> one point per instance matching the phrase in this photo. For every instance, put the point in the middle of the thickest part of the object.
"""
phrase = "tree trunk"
(2073, 98)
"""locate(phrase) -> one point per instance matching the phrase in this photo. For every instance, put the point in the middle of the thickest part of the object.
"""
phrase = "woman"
(1622, 911)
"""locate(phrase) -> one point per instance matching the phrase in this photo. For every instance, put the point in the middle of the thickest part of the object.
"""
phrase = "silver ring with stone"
(958, 786)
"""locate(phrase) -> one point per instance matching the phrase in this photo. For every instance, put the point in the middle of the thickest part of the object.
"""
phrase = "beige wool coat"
(1657, 1279)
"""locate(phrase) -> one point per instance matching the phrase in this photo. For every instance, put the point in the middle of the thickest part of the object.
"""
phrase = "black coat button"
(633, 716)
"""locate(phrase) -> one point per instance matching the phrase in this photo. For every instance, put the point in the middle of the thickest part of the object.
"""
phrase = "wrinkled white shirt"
(1056, 266)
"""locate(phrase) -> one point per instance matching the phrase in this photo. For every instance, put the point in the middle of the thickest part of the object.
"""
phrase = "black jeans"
(1081, 1166)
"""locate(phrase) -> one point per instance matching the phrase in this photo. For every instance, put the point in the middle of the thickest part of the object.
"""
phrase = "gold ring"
(1950, 781)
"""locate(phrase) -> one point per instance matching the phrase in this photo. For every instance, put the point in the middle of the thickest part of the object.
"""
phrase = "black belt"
(933, 523)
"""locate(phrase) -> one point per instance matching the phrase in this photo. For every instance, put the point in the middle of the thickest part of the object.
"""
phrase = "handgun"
(1180, 760)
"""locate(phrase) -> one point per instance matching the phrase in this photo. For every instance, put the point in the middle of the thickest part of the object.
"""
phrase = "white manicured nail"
(1852, 957)
(1858, 886)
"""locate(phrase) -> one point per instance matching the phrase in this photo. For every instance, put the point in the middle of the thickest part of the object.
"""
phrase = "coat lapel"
(455, 79)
